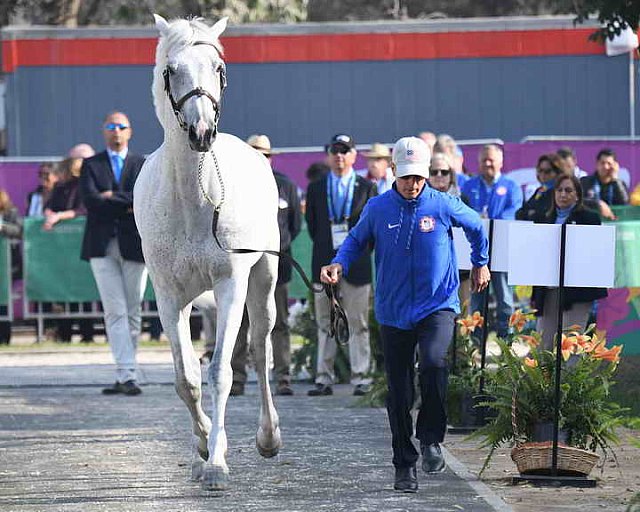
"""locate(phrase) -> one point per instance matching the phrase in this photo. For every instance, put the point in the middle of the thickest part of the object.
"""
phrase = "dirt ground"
(616, 483)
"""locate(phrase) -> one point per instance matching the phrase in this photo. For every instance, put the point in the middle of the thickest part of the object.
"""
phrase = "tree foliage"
(614, 15)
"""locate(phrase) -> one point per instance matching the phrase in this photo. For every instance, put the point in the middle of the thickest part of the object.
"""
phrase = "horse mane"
(186, 32)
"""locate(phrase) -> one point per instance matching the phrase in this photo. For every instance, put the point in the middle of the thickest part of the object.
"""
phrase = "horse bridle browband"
(197, 92)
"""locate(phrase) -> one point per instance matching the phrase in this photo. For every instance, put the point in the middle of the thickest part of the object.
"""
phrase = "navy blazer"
(113, 216)
(317, 216)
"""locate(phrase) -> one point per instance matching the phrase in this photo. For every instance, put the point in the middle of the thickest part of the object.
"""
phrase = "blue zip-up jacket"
(502, 202)
(416, 266)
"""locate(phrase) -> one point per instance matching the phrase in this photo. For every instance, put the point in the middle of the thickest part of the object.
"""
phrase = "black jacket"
(571, 295)
(289, 221)
(614, 193)
(536, 205)
(317, 216)
(109, 217)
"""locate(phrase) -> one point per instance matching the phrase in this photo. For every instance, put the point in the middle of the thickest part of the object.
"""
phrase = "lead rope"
(338, 325)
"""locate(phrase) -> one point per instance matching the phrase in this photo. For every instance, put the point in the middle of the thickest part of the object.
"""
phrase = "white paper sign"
(590, 256)
(534, 255)
(463, 249)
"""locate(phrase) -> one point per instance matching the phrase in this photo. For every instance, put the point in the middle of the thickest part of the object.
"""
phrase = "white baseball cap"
(411, 157)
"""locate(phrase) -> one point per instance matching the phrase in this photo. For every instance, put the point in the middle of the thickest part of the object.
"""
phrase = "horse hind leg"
(188, 379)
(262, 314)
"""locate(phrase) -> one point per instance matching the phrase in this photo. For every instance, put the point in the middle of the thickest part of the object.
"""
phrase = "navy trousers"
(432, 335)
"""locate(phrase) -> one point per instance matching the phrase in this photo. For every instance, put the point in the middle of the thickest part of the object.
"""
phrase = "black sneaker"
(237, 389)
(129, 388)
(406, 479)
(321, 390)
(432, 458)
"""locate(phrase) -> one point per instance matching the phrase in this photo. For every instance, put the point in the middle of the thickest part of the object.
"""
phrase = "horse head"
(191, 72)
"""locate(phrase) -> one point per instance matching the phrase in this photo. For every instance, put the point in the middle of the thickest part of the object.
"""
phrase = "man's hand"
(331, 274)
(106, 194)
(605, 211)
(480, 277)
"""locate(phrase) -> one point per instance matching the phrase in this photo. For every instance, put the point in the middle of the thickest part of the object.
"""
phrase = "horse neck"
(183, 166)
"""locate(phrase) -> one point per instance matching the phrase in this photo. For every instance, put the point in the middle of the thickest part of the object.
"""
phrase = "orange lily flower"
(469, 323)
(612, 355)
(531, 363)
(568, 346)
(477, 318)
(532, 341)
(517, 320)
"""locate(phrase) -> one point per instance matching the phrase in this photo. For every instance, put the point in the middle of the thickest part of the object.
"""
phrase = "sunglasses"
(339, 150)
(566, 190)
(112, 127)
(441, 172)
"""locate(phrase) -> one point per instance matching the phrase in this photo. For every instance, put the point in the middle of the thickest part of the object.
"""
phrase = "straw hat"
(378, 151)
(261, 143)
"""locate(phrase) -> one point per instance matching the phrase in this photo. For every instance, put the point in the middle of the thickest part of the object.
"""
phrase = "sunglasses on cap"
(441, 172)
(339, 149)
(112, 127)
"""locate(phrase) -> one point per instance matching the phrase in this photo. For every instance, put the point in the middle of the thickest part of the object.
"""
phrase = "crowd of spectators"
(336, 195)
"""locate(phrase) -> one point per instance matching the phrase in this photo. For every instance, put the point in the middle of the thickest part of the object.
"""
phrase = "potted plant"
(523, 397)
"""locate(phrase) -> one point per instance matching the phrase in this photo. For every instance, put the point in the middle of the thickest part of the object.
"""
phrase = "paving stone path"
(65, 447)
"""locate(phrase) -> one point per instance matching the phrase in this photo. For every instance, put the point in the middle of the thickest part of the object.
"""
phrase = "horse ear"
(161, 24)
(219, 27)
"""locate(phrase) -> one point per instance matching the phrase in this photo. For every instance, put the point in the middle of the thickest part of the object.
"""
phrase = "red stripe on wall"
(309, 48)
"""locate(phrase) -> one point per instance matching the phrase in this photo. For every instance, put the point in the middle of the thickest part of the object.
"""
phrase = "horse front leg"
(262, 313)
(230, 296)
(188, 379)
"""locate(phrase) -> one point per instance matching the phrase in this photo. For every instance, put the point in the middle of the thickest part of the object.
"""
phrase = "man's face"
(607, 168)
(116, 131)
(341, 158)
(568, 164)
(377, 167)
(410, 187)
(490, 163)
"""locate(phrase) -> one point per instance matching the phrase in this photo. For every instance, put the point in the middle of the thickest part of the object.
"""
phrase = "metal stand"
(481, 411)
(554, 479)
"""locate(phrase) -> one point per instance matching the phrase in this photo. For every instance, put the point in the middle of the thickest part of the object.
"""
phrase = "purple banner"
(18, 179)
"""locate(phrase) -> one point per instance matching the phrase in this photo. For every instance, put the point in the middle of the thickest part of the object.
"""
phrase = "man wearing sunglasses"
(334, 204)
(111, 245)
(416, 298)
(494, 196)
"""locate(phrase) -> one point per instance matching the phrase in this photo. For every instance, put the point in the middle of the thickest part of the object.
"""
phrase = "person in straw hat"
(378, 170)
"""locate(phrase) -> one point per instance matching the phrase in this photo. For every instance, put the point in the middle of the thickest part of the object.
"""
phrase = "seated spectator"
(567, 208)
(548, 169)
(64, 201)
(569, 162)
(378, 170)
(10, 227)
(603, 189)
(446, 144)
(38, 197)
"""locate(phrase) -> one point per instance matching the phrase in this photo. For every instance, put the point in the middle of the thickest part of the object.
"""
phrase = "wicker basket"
(535, 458)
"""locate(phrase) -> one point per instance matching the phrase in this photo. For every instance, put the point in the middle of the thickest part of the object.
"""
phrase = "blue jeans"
(504, 302)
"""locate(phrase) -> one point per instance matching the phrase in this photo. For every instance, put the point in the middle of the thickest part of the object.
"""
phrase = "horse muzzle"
(201, 140)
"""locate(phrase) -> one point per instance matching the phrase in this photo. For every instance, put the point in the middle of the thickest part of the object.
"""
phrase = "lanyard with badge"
(339, 222)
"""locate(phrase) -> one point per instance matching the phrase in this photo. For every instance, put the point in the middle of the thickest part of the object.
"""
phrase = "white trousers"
(121, 284)
(355, 301)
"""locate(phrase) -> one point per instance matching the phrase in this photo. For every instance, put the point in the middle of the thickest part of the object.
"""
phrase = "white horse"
(197, 167)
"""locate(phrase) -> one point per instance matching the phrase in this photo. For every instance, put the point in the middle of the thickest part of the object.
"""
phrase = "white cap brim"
(403, 170)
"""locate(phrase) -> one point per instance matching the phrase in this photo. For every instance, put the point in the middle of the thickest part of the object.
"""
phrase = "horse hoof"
(197, 470)
(271, 448)
(215, 479)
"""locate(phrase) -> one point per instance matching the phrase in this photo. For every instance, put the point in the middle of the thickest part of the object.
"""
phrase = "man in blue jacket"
(494, 196)
(416, 297)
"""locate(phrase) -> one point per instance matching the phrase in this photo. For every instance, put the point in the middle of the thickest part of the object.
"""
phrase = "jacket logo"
(392, 226)
(501, 190)
(427, 224)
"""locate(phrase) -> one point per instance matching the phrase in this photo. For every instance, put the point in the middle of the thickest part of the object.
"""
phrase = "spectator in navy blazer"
(494, 196)
(112, 245)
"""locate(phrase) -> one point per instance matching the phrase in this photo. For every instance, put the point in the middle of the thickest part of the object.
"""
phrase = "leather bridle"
(197, 92)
